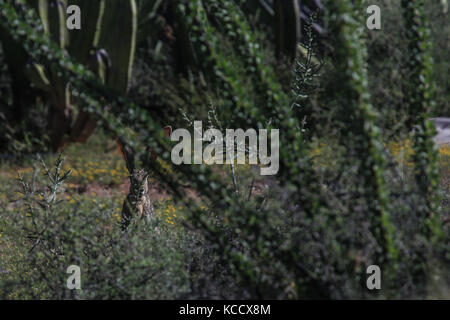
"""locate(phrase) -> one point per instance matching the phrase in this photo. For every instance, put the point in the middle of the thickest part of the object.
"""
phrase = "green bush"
(340, 203)
(159, 260)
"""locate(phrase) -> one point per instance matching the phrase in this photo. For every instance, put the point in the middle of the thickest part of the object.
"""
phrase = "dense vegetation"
(360, 181)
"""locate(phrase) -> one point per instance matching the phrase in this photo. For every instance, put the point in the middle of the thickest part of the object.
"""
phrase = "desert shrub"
(50, 232)
(309, 232)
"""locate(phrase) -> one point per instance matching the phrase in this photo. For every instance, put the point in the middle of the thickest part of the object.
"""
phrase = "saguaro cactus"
(102, 45)
(287, 27)
(111, 60)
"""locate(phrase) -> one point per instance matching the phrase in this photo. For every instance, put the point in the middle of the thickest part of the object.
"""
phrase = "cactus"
(81, 43)
(96, 46)
(230, 21)
(418, 98)
(199, 43)
(119, 41)
(358, 120)
(287, 27)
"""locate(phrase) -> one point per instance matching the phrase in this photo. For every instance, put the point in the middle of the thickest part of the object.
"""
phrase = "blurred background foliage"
(360, 180)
